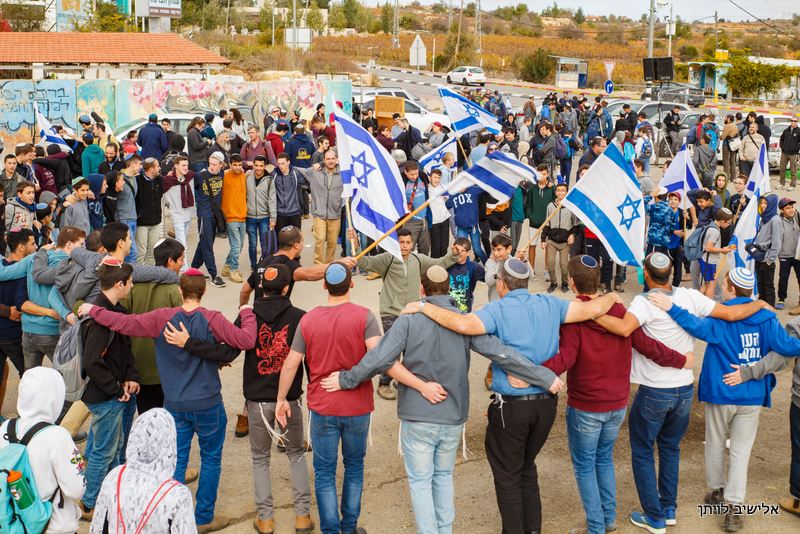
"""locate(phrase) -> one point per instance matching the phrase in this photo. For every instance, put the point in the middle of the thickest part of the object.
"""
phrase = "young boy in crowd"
(787, 255)
(675, 246)
(501, 251)
(465, 209)
(464, 276)
(557, 237)
(440, 215)
(738, 201)
(712, 241)
(77, 213)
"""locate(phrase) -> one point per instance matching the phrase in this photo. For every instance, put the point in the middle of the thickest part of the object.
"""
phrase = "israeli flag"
(609, 202)
(434, 158)
(747, 227)
(465, 115)
(499, 175)
(681, 176)
(757, 174)
(371, 177)
(48, 134)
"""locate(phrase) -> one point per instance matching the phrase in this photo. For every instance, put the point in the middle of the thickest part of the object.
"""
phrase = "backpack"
(33, 519)
(561, 149)
(68, 358)
(647, 149)
(693, 246)
(168, 161)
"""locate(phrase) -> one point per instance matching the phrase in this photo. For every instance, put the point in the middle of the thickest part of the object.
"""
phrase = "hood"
(772, 207)
(761, 316)
(47, 196)
(95, 148)
(41, 396)
(793, 327)
(268, 309)
(152, 445)
(95, 184)
(302, 137)
(760, 120)
(177, 143)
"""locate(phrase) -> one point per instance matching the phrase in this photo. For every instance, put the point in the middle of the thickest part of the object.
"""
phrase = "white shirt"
(439, 211)
(173, 200)
(659, 325)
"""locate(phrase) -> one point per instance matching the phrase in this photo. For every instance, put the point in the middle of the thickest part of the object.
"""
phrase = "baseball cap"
(742, 277)
(674, 194)
(786, 202)
(437, 124)
(217, 156)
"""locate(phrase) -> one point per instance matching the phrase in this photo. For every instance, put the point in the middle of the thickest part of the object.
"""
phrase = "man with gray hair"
(519, 418)
(150, 189)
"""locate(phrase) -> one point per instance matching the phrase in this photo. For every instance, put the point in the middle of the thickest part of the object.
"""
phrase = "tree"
(536, 67)
(409, 22)
(352, 12)
(688, 53)
(387, 16)
(23, 18)
(682, 29)
(466, 51)
(469, 11)
(579, 18)
(106, 18)
(314, 19)
(336, 17)
(749, 79)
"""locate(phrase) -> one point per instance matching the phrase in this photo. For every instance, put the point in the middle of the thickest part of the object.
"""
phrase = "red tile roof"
(114, 48)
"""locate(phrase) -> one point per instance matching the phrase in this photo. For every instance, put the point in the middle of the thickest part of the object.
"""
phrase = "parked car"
(418, 116)
(179, 123)
(685, 93)
(467, 76)
(369, 93)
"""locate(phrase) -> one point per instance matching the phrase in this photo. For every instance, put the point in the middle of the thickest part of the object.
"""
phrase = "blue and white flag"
(609, 202)
(465, 115)
(681, 176)
(499, 175)
(433, 158)
(747, 227)
(48, 134)
(372, 178)
(757, 174)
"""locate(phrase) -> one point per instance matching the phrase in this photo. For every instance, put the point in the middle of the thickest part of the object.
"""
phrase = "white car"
(467, 76)
(418, 117)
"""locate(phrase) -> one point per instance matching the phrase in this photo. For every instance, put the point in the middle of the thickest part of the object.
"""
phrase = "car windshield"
(615, 107)
(128, 126)
(777, 129)
(476, 70)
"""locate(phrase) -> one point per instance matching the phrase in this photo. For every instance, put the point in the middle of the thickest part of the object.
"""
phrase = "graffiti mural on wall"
(125, 101)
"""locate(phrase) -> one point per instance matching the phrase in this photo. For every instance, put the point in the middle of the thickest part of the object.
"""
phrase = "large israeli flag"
(372, 178)
(747, 227)
(48, 134)
(757, 174)
(434, 158)
(499, 175)
(465, 115)
(609, 202)
(681, 176)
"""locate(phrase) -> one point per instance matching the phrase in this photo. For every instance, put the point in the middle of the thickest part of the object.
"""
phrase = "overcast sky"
(686, 9)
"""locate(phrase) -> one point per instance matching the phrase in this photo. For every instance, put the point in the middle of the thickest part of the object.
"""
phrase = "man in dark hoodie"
(56, 163)
(763, 130)
(300, 148)
(97, 185)
(153, 139)
(288, 189)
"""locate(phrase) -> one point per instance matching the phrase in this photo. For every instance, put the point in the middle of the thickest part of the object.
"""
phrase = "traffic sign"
(609, 87)
(417, 54)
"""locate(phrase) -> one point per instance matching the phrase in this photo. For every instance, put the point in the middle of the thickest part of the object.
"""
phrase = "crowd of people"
(95, 266)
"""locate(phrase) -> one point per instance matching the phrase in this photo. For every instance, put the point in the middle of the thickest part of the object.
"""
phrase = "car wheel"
(464, 82)
(482, 84)
(448, 80)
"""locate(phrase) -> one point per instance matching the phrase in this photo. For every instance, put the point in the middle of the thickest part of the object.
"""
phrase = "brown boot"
(791, 505)
(191, 475)
(795, 311)
(242, 426)
(303, 524)
(716, 496)
(86, 513)
(733, 522)
(217, 523)
(264, 526)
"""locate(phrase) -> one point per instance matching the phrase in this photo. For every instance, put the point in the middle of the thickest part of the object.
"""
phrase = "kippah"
(588, 261)
(159, 243)
(191, 271)
(437, 274)
(335, 273)
(659, 260)
(77, 179)
(742, 278)
(111, 261)
(516, 268)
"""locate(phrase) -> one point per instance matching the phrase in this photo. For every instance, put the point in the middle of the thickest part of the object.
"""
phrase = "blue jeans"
(235, 240)
(474, 235)
(591, 437)
(658, 415)
(256, 234)
(131, 257)
(200, 166)
(111, 424)
(326, 433)
(209, 425)
(204, 253)
(429, 453)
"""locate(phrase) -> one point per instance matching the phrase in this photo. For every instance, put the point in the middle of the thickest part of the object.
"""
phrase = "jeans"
(474, 235)
(676, 255)
(794, 472)
(12, 350)
(181, 230)
(429, 454)
(204, 253)
(36, 346)
(785, 273)
(256, 234)
(765, 277)
(591, 437)
(111, 423)
(133, 254)
(326, 434)
(236, 241)
(658, 415)
(146, 239)
(209, 425)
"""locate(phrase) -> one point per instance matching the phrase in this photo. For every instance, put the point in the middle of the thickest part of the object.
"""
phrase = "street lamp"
(670, 24)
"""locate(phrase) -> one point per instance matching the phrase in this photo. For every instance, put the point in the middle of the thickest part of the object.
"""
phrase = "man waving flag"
(609, 202)
(681, 176)
(465, 115)
(372, 179)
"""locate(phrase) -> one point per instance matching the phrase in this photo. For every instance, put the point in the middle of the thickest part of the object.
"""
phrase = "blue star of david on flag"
(366, 168)
(634, 211)
(472, 111)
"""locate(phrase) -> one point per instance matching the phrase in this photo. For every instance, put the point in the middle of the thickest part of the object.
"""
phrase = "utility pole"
(449, 15)
(396, 25)
(454, 59)
(716, 38)
(478, 30)
(652, 28)
(294, 24)
(670, 30)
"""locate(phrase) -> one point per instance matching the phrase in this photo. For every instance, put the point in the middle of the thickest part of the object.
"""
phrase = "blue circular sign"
(609, 86)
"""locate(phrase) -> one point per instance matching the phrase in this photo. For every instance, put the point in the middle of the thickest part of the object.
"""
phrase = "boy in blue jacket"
(732, 412)
(465, 215)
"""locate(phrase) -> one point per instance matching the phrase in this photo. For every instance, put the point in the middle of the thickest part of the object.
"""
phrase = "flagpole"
(539, 230)
(353, 241)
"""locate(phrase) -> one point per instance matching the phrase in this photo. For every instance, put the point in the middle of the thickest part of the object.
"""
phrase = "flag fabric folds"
(48, 133)
(465, 115)
(434, 158)
(681, 176)
(499, 175)
(759, 171)
(609, 202)
(372, 179)
(747, 227)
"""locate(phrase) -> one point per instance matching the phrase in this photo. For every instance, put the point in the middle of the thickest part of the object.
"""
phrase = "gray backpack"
(68, 358)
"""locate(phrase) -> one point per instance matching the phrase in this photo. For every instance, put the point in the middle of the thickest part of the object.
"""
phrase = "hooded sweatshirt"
(234, 196)
(19, 214)
(96, 219)
(465, 207)
(770, 235)
(91, 158)
(262, 200)
(742, 343)
(152, 456)
(77, 215)
(56, 463)
(300, 149)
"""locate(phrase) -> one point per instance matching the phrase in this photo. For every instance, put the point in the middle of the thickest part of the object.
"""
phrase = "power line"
(765, 23)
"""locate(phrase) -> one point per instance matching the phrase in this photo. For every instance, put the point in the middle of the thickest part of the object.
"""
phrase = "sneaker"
(791, 505)
(86, 513)
(217, 523)
(552, 287)
(618, 288)
(671, 520)
(226, 272)
(191, 475)
(236, 277)
(171, 234)
(264, 526)
(386, 392)
(641, 520)
(612, 527)
(79, 437)
(547, 276)
(564, 287)
(733, 522)
(217, 282)
(303, 524)
(581, 530)
(780, 305)
(716, 496)
(242, 426)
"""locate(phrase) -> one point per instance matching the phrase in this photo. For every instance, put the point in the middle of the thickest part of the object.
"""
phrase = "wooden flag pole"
(353, 242)
(539, 230)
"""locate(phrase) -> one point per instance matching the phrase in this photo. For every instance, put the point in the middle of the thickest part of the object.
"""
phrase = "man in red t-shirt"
(334, 337)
